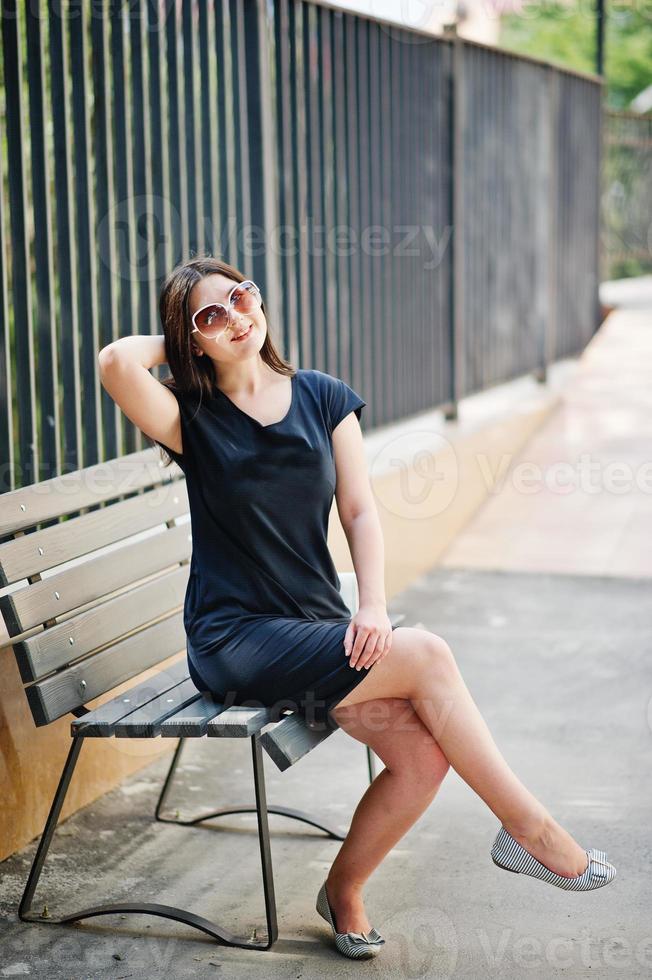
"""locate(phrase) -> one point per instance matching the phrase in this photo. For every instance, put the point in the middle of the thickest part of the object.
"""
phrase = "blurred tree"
(565, 33)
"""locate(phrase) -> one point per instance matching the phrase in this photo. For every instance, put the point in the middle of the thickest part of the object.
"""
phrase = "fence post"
(456, 196)
(598, 206)
(550, 325)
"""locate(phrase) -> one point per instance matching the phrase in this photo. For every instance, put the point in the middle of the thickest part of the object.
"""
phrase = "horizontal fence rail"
(420, 212)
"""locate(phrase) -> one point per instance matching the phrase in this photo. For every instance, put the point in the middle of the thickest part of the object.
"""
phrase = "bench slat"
(31, 554)
(291, 739)
(100, 721)
(78, 636)
(94, 579)
(239, 722)
(29, 506)
(61, 692)
(191, 721)
(145, 722)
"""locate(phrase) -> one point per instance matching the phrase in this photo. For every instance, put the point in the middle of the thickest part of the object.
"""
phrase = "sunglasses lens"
(246, 297)
(211, 320)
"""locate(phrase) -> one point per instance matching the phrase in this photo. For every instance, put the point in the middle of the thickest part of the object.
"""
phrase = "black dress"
(264, 618)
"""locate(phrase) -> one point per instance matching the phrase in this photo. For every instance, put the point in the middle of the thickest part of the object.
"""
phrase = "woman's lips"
(243, 336)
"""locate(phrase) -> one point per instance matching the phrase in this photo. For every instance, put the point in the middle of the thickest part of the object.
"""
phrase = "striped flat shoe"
(507, 853)
(355, 945)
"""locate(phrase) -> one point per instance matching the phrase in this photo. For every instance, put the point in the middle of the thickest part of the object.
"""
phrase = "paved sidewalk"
(578, 498)
(559, 666)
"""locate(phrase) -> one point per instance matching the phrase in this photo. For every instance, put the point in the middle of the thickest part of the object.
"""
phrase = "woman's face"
(251, 328)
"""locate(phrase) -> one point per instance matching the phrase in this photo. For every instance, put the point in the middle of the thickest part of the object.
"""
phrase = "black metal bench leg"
(263, 837)
(371, 763)
(167, 784)
(24, 909)
(223, 937)
(284, 811)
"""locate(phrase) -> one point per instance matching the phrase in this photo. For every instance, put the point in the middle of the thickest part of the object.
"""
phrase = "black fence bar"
(422, 213)
(66, 325)
(44, 337)
(105, 229)
(85, 228)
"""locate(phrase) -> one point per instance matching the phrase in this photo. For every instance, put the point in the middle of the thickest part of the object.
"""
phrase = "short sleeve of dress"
(181, 459)
(342, 399)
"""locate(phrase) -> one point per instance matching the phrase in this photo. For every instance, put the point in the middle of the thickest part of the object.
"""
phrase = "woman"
(264, 449)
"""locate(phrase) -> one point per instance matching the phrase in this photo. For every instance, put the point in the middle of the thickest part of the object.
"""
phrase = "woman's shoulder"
(320, 380)
(335, 396)
(321, 383)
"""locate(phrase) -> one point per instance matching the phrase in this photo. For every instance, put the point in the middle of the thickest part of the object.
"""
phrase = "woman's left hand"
(369, 636)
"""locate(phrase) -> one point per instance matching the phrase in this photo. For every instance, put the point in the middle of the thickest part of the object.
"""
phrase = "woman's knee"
(437, 655)
(415, 656)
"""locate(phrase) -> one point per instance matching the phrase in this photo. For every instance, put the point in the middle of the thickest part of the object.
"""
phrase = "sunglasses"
(213, 318)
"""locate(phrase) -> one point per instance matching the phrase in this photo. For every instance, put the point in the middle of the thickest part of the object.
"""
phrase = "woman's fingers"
(381, 650)
(371, 651)
(362, 635)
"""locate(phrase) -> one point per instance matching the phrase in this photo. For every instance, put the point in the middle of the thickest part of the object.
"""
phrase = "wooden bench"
(99, 559)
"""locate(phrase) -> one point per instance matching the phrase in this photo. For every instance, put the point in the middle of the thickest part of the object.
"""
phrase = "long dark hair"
(195, 374)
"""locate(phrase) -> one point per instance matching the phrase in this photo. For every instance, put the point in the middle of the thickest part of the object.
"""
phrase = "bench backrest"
(99, 560)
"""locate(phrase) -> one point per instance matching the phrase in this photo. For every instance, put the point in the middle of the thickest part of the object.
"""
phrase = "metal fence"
(421, 213)
(528, 213)
(626, 195)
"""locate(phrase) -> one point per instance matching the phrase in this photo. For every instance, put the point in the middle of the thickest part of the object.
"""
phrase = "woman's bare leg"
(421, 668)
(414, 770)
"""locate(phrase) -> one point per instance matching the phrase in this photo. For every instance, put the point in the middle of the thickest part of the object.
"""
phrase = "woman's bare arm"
(125, 375)
(369, 634)
(358, 512)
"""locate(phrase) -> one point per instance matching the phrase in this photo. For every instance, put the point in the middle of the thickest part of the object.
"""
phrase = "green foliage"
(565, 33)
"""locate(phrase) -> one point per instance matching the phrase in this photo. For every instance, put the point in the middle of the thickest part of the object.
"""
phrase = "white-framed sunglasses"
(212, 319)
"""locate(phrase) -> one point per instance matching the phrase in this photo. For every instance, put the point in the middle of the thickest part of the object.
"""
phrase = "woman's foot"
(347, 905)
(553, 846)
